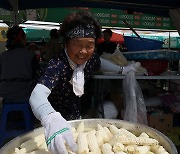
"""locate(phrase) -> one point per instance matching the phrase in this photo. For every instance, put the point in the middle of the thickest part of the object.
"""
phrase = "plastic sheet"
(135, 108)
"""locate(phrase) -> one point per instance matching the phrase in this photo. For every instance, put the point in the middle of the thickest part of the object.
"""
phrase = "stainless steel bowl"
(133, 127)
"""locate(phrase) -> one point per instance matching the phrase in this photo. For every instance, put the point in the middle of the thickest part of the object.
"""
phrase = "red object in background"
(118, 38)
(154, 66)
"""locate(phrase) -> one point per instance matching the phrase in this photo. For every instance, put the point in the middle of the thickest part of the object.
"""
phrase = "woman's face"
(80, 50)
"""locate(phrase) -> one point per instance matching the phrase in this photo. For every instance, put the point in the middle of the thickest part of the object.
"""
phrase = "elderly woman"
(56, 96)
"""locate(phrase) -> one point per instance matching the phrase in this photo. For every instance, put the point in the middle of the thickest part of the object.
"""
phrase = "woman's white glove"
(58, 133)
(131, 67)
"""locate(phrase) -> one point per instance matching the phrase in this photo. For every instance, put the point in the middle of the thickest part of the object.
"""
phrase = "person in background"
(52, 47)
(107, 45)
(34, 48)
(18, 68)
(56, 97)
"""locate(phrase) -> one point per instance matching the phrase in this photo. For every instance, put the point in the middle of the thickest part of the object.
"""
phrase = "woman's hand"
(58, 133)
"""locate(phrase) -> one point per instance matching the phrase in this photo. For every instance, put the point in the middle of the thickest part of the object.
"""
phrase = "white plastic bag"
(135, 108)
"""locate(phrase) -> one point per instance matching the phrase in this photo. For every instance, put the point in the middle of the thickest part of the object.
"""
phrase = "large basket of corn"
(100, 135)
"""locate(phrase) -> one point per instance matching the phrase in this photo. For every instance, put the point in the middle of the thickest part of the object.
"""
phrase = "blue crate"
(138, 44)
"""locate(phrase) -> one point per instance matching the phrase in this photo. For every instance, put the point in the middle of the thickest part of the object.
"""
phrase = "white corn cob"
(105, 136)
(121, 152)
(125, 132)
(80, 127)
(149, 152)
(73, 129)
(117, 147)
(113, 129)
(75, 136)
(143, 134)
(88, 129)
(43, 147)
(39, 152)
(22, 151)
(82, 144)
(133, 141)
(70, 152)
(160, 150)
(142, 149)
(92, 141)
(130, 149)
(31, 147)
(39, 138)
(107, 149)
(97, 152)
(33, 143)
(16, 151)
(110, 135)
(99, 137)
(154, 148)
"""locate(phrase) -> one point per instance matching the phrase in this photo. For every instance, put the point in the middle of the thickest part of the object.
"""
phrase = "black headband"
(81, 31)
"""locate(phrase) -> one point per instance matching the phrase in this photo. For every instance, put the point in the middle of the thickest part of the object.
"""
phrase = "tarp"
(159, 7)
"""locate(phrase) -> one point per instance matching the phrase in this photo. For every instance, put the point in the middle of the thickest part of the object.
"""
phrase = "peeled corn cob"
(75, 136)
(113, 129)
(39, 152)
(99, 137)
(110, 135)
(88, 129)
(92, 141)
(154, 147)
(121, 152)
(33, 143)
(73, 129)
(107, 149)
(82, 144)
(130, 149)
(117, 147)
(43, 147)
(125, 132)
(149, 152)
(133, 141)
(160, 150)
(80, 127)
(103, 132)
(142, 149)
(143, 134)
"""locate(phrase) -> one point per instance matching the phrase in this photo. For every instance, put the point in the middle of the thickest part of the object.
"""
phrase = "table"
(98, 85)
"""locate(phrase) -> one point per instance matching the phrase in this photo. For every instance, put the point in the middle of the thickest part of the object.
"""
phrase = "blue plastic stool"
(28, 117)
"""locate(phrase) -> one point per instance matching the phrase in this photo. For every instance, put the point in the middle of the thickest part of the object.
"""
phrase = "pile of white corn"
(100, 140)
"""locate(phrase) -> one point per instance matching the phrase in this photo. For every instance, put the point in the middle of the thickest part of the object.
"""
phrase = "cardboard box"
(162, 122)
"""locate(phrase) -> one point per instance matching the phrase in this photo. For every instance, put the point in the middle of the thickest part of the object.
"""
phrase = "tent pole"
(14, 4)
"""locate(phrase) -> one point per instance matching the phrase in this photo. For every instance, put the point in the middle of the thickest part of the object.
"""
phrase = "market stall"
(144, 6)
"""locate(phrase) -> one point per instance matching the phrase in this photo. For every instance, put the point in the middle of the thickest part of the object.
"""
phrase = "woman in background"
(18, 68)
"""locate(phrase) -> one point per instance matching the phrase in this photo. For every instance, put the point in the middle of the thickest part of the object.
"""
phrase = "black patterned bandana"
(82, 31)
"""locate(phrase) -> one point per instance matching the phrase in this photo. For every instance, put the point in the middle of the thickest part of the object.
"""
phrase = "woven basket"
(155, 67)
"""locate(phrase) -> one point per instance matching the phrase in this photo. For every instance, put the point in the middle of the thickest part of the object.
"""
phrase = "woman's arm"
(40, 105)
